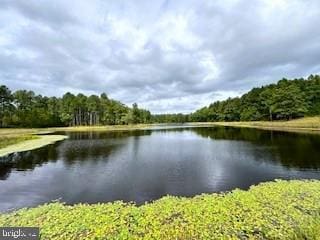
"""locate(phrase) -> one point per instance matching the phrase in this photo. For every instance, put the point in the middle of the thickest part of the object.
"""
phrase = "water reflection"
(295, 150)
(27, 160)
(145, 165)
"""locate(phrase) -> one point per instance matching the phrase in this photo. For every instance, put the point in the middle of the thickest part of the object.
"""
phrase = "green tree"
(67, 109)
(24, 101)
(312, 92)
(268, 101)
(6, 106)
(250, 114)
(93, 106)
(290, 102)
(133, 115)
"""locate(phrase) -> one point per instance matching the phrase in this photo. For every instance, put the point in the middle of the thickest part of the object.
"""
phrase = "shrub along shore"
(274, 210)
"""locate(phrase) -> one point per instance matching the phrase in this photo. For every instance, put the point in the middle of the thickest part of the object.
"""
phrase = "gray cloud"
(169, 56)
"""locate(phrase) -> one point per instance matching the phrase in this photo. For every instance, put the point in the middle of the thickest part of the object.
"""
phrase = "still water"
(145, 165)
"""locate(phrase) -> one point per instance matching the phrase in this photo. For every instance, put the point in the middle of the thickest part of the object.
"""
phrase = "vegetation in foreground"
(275, 210)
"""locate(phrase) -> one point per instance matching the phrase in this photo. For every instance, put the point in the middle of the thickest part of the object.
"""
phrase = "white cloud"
(168, 56)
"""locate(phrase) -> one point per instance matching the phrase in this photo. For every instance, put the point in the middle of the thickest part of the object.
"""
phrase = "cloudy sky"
(166, 55)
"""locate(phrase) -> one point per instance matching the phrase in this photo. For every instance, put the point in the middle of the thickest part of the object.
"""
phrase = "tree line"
(285, 100)
(170, 118)
(24, 108)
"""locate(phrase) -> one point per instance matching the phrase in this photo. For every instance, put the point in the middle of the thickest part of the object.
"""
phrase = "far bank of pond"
(305, 125)
(12, 136)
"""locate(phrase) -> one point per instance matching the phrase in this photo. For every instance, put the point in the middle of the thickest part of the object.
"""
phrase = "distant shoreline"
(22, 139)
(303, 125)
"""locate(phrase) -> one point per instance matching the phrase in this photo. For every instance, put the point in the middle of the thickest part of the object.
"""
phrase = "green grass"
(10, 140)
(307, 123)
(33, 143)
(276, 210)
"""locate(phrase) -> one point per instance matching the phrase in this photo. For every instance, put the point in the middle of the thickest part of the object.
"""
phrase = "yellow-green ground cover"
(11, 136)
(31, 143)
(307, 124)
(10, 140)
(275, 210)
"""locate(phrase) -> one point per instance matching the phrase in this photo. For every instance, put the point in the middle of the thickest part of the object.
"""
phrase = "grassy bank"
(10, 140)
(308, 124)
(276, 210)
(31, 143)
(11, 136)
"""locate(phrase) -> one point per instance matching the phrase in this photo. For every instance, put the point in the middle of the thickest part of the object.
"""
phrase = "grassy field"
(11, 140)
(29, 143)
(303, 124)
(275, 210)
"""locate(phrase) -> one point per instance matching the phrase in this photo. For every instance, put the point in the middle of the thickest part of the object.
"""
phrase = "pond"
(145, 165)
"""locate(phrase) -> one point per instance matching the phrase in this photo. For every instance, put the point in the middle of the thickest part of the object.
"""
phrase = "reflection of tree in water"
(82, 146)
(106, 135)
(5, 170)
(87, 150)
(290, 149)
(238, 134)
(95, 146)
(27, 160)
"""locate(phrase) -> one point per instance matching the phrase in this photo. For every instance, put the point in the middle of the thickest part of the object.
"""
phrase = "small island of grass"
(28, 142)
